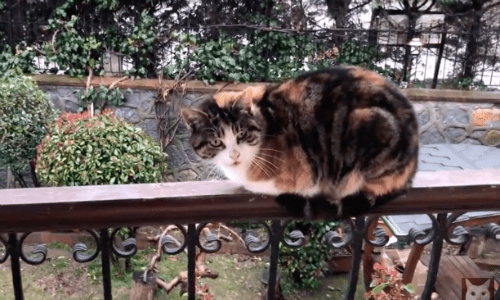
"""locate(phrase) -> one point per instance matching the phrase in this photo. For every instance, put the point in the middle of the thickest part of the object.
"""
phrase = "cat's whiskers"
(271, 155)
(270, 149)
(266, 161)
(261, 166)
(210, 173)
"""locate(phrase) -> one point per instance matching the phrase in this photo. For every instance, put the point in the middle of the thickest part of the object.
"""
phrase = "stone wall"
(440, 122)
(454, 123)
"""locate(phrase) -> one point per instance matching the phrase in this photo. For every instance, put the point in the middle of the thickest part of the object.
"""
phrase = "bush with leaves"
(244, 59)
(25, 115)
(71, 51)
(85, 150)
(22, 60)
(101, 97)
(306, 264)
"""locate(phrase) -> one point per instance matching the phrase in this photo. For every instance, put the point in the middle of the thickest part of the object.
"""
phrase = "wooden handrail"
(200, 87)
(106, 206)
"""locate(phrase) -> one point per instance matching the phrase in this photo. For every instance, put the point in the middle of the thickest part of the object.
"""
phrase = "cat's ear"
(468, 283)
(192, 116)
(250, 97)
(486, 285)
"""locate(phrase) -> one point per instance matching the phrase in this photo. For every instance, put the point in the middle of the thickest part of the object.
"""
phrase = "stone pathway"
(444, 157)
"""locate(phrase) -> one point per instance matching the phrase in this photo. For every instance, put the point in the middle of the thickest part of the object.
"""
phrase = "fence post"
(191, 265)
(438, 62)
(15, 266)
(105, 261)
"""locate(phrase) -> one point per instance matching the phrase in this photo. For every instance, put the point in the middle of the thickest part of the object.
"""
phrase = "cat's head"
(227, 129)
(477, 292)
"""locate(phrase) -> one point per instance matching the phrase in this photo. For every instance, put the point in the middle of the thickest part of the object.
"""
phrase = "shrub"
(25, 114)
(306, 264)
(85, 150)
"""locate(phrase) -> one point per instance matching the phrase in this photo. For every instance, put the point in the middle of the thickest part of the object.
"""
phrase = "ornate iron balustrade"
(97, 208)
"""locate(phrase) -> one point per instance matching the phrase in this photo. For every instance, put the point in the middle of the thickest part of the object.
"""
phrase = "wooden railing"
(115, 206)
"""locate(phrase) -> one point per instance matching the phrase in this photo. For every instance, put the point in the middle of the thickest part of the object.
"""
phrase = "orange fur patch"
(295, 174)
(292, 90)
(249, 95)
(390, 183)
(359, 115)
(350, 184)
(370, 76)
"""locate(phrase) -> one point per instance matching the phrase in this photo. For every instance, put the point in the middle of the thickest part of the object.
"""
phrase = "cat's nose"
(234, 155)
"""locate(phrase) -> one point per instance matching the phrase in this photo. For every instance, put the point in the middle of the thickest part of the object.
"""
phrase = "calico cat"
(343, 139)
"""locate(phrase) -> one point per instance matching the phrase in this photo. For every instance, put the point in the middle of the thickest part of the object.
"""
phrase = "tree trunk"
(471, 48)
(373, 32)
(141, 290)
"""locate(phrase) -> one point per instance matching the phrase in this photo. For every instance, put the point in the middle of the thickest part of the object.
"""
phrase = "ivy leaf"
(409, 288)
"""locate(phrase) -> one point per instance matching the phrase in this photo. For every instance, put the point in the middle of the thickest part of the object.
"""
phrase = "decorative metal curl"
(456, 234)
(254, 244)
(129, 246)
(169, 240)
(422, 238)
(294, 239)
(6, 245)
(79, 247)
(39, 251)
(212, 245)
(493, 231)
(335, 240)
(380, 237)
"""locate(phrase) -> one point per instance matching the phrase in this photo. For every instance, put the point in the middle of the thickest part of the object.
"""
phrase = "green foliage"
(138, 45)
(22, 60)
(387, 284)
(468, 83)
(71, 51)
(85, 150)
(307, 264)
(351, 53)
(26, 113)
(101, 97)
(244, 59)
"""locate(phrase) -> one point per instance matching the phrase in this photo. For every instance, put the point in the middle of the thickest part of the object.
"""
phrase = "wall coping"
(201, 87)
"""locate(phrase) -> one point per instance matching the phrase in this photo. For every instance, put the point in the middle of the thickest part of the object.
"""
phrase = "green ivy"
(26, 113)
(230, 59)
(101, 97)
(138, 45)
(22, 60)
(71, 51)
(305, 265)
(84, 150)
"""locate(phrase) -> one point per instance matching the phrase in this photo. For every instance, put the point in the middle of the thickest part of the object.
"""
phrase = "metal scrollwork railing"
(37, 254)
(456, 234)
(258, 244)
(80, 249)
(493, 231)
(421, 237)
(336, 240)
(129, 246)
(171, 245)
(380, 238)
(5, 244)
(211, 244)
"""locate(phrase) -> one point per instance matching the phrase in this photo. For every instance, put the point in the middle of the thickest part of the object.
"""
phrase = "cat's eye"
(215, 143)
(241, 135)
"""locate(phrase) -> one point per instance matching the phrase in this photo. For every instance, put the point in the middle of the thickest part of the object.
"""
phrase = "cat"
(343, 139)
(477, 292)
